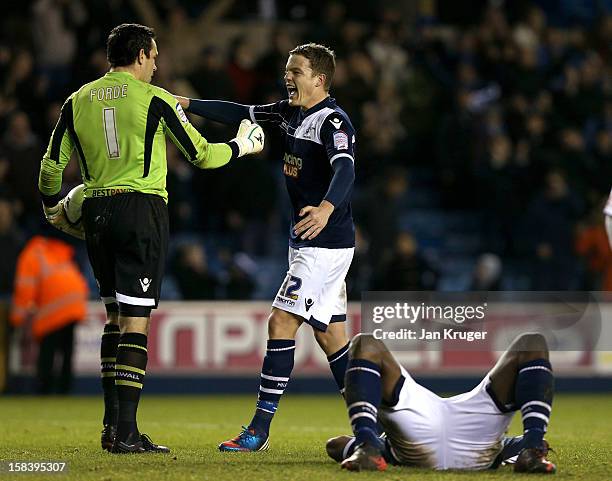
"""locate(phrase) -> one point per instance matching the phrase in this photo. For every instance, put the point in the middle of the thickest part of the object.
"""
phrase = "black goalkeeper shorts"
(127, 242)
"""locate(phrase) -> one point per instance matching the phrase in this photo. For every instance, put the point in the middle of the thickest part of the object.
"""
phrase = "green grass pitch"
(67, 429)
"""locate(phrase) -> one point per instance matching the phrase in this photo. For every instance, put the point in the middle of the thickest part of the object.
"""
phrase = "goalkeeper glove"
(249, 139)
(56, 216)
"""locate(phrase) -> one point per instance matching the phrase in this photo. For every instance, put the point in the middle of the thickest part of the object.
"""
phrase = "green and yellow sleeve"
(56, 157)
(188, 140)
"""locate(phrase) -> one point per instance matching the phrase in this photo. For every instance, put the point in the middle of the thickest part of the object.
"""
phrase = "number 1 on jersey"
(110, 131)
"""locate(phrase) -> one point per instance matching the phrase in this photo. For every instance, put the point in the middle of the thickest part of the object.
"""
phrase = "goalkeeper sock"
(108, 357)
(534, 395)
(337, 363)
(129, 378)
(275, 372)
(363, 393)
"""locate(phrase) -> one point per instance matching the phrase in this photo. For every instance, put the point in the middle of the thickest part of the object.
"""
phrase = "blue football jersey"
(314, 138)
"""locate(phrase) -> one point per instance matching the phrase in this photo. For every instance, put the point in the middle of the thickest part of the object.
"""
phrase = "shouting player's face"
(304, 87)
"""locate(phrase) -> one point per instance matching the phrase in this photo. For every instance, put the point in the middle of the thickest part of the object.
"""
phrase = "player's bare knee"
(530, 346)
(333, 339)
(366, 346)
(282, 325)
(323, 339)
(277, 325)
(138, 325)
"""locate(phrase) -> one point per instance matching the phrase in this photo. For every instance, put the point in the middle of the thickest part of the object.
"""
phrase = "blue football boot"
(248, 440)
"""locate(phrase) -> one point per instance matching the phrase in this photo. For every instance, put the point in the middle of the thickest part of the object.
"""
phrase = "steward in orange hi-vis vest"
(49, 287)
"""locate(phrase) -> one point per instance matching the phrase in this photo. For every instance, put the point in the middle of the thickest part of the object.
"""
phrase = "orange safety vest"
(48, 287)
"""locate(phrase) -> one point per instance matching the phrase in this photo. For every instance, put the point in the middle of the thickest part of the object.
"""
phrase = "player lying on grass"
(461, 432)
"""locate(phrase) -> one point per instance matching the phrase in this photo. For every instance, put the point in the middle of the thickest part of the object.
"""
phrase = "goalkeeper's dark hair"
(322, 60)
(125, 42)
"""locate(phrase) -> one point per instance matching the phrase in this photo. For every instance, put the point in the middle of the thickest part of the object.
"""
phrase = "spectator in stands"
(455, 155)
(50, 298)
(23, 152)
(24, 86)
(382, 129)
(406, 269)
(271, 62)
(487, 273)
(209, 78)
(551, 218)
(55, 40)
(242, 71)
(11, 243)
(183, 35)
(179, 182)
(190, 269)
(575, 161)
(240, 273)
(378, 211)
(497, 182)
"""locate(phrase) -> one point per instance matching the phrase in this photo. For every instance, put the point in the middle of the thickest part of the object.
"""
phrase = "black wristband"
(50, 200)
(235, 149)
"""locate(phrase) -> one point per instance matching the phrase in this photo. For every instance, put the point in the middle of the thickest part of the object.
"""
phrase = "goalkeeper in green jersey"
(118, 126)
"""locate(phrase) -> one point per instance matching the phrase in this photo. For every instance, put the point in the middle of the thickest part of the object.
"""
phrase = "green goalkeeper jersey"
(118, 126)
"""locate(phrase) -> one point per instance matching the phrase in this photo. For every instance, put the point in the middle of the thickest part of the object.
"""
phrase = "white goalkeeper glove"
(250, 138)
(56, 216)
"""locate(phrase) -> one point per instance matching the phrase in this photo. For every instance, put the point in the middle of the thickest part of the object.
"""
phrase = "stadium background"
(484, 158)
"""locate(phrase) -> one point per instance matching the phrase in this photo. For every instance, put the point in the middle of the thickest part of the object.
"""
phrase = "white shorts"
(314, 287)
(460, 432)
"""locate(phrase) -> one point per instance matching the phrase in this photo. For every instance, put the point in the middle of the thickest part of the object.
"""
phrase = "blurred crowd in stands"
(484, 135)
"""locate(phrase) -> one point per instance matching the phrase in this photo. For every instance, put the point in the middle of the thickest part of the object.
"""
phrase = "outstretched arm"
(201, 153)
(217, 110)
(233, 113)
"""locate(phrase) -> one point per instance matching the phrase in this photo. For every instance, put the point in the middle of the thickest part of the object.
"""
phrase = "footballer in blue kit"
(318, 165)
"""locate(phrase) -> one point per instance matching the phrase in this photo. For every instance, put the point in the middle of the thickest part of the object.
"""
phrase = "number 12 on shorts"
(291, 286)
